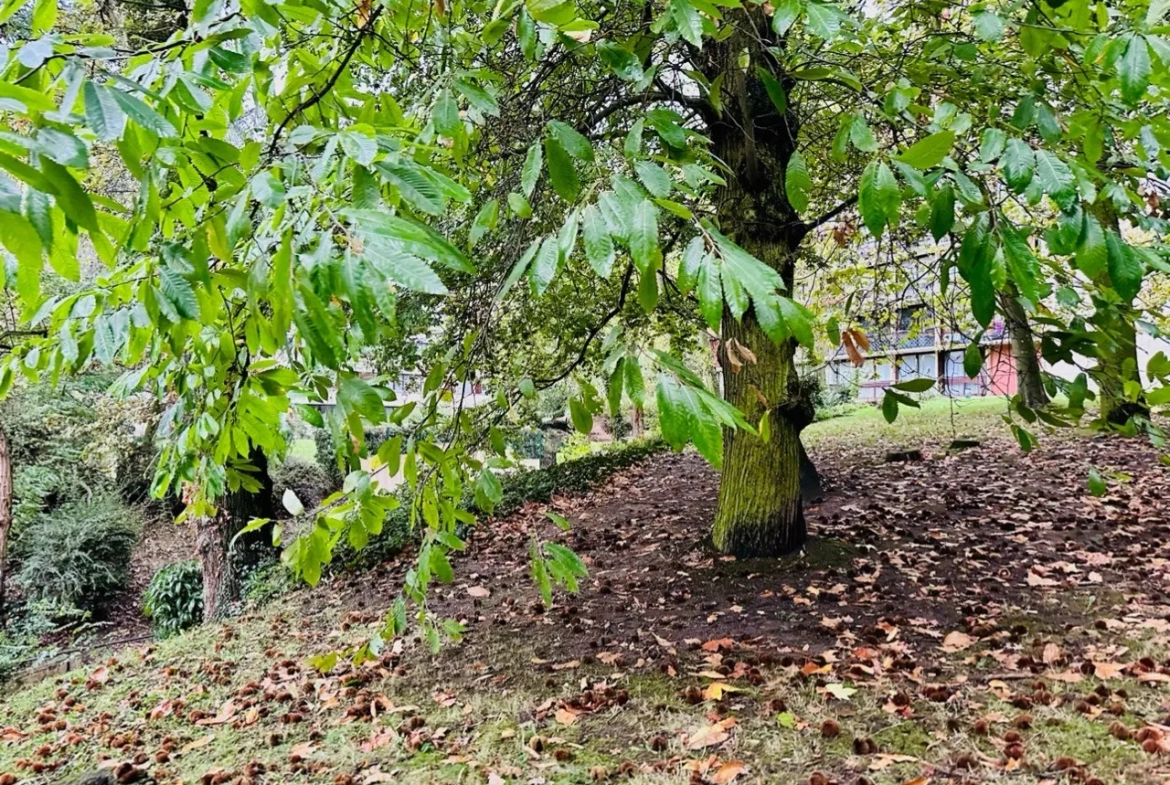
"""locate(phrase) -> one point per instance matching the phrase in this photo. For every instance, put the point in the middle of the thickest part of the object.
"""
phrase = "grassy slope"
(481, 706)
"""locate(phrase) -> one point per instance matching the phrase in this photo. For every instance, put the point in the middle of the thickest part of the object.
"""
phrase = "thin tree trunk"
(226, 564)
(5, 519)
(759, 508)
(1027, 361)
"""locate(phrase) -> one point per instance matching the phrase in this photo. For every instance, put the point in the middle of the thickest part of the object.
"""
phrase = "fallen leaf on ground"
(727, 772)
(956, 641)
(711, 735)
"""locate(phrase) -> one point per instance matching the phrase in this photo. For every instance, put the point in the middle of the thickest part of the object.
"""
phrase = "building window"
(917, 366)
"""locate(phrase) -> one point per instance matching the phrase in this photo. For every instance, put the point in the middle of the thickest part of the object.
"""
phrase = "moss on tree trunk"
(759, 510)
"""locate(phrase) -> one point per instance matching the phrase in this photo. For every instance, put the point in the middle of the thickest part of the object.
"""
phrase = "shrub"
(527, 443)
(174, 599)
(79, 553)
(268, 582)
(307, 479)
(327, 456)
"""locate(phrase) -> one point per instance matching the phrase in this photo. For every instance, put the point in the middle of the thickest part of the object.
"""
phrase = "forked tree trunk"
(5, 519)
(759, 509)
(1024, 356)
(226, 564)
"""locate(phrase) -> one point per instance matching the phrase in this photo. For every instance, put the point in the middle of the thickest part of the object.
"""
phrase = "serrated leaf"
(102, 113)
(797, 183)
(1133, 69)
(599, 249)
(1019, 164)
(654, 177)
(531, 171)
(574, 143)
(644, 236)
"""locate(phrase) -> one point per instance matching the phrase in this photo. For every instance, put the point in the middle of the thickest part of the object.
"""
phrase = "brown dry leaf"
(1107, 670)
(479, 592)
(226, 712)
(923, 780)
(374, 775)
(956, 641)
(711, 735)
(494, 779)
(884, 760)
(1152, 677)
(716, 645)
(566, 716)
(252, 716)
(1039, 580)
(727, 772)
(203, 742)
(1052, 654)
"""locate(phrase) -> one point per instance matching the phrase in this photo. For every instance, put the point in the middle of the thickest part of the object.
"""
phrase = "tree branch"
(824, 219)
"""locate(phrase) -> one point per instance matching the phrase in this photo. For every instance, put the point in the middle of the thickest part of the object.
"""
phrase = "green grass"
(936, 423)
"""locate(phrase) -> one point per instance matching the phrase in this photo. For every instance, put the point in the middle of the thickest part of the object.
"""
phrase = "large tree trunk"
(5, 519)
(226, 564)
(1027, 361)
(759, 509)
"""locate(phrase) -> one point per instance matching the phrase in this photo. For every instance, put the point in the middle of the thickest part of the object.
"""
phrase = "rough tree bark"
(225, 565)
(5, 519)
(1024, 356)
(759, 508)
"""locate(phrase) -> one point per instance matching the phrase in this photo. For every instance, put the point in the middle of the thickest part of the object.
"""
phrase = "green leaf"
(571, 140)
(1125, 270)
(581, 416)
(988, 26)
(71, 197)
(889, 407)
(1021, 263)
(531, 171)
(102, 113)
(915, 385)
(354, 395)
(1018, 163)
(860, 134)
(634, 383)
(178, 292)
(416, 189)
(478, 97)
(621, 61)
(786, 12)
(686, 20)
(409, 236)
(798, 320)
(599, 250)
(824, 20)
(143, 115)
(644, 236)
(710, 293)
(972, 360)
(991, 144)
(797, 183)
(552, 12)
(485, 221)
(942, 211)
(446, 115)
(775, 90)
(929, 152)
(1055, 178)
(654, 177)
(561, 171)
(1133, 69)
(544, 266)
(1097, 484)
(879, 197)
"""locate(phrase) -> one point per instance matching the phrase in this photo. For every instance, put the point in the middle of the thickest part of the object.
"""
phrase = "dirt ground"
(978, 616)
(983, 541)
